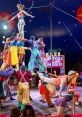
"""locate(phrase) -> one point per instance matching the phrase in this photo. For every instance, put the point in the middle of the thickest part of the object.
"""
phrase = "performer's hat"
(71, 72)
(23, 68)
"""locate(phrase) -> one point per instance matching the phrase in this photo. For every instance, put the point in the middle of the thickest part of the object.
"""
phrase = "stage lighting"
(3, 37)
(3, 42)
(5, 27)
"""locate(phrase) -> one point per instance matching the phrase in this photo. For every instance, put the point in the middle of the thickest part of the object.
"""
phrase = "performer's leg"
(25, 95)
(32, 60)
(47, 96)
(41, 88)
(20, 94)
(60, 110)
(21, 30)
(77, 96)
(41, 65)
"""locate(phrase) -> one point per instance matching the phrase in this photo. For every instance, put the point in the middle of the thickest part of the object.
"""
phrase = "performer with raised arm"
(42, 52)
(43, 58)
(20, 16)
(35, 55)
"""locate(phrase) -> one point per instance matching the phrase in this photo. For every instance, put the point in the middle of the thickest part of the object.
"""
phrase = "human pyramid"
(12, 56)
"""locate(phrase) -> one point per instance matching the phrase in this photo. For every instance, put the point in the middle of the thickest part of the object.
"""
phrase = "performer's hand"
(27, 48)
(32, 16)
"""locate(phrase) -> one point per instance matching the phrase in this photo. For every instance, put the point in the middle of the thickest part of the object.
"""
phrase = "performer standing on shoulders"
(20, 16)
(35, 55)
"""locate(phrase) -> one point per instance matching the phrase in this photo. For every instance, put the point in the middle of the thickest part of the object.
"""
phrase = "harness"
(22, 76)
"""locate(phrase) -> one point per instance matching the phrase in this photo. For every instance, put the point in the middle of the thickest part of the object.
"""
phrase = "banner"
(55, 61)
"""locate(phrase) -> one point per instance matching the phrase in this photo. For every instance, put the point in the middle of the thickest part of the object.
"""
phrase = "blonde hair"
(40, 39)
(7, 39)
(21, 6)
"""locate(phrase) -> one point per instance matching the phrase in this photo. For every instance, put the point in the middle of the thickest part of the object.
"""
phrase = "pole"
(51, 34)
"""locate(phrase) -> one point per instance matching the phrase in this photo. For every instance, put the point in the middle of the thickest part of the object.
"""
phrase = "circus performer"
(4, 74)
(23, 86)
(12, 57)
(43, 58)
(21, 48)
(4, 54)
(61, 103)
(20, 16)
(58, 81)
(35, 55)
(73, 89)
(45, 92)
(42, 53)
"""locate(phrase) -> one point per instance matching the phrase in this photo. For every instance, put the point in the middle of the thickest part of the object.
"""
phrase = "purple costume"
(62, 101)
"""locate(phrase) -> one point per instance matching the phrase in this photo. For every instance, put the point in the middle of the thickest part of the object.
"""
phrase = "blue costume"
(35, 55)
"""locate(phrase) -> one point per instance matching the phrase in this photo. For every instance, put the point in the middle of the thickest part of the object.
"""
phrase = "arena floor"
(39, 107)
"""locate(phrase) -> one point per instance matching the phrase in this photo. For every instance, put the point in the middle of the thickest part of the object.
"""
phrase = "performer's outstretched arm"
(21, 39)
(46, 79)
(13, 18)
(7, 73)
(27, 14)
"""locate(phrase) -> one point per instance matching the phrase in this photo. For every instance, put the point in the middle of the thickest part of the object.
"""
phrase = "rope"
(72, 36)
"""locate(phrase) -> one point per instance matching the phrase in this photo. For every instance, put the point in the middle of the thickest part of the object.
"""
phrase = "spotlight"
(3, 42)
(3, 37)
(5, 27)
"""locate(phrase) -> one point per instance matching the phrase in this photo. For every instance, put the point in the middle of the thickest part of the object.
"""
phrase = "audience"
(15, 112)
(28, 111)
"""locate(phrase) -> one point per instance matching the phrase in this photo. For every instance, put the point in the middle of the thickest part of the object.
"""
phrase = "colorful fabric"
(62, 101)
(23, 92)
(35, 55)
(19, 74)
(76, 94)
(12, 58)
(21, 50)
(73, 82)
(6, 73)
(42, 89)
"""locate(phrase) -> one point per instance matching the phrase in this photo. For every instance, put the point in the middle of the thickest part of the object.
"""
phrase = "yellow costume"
(73, 82)
(23, 92)
(12, 58)
(21, 50)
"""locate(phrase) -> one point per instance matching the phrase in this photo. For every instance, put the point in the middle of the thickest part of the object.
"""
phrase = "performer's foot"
(11, 98)
(51, 106)
(56, 96)
(31, 99)
(76, 103)
(43, 101)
